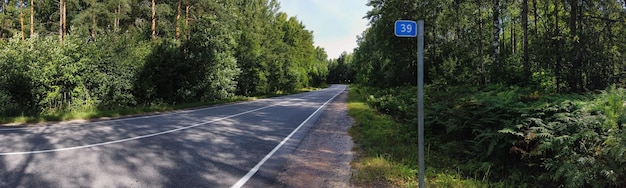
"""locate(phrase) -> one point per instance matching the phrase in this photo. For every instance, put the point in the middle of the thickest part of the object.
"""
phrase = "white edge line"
(138, 137)
(116, 119)
(256, 168)
(149, 135)
(144, 117)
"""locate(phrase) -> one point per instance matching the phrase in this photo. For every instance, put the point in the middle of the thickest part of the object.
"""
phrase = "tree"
(525, 40)
(340, 70)
(21, 5)
(249, 52)
(481, 70)
(153, 29)
(178, 10)
(120, 11)
(557, 46)
(62, 20)
(2, 19)
(496, 36)
(88, 22)
(32, 18)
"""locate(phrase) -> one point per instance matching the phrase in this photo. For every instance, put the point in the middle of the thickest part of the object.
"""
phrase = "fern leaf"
(511, 131)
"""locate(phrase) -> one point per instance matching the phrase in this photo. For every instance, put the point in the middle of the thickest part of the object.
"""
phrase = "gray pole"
(420, 99)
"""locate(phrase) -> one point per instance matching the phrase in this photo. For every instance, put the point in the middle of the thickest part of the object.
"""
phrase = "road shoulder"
(323, 157)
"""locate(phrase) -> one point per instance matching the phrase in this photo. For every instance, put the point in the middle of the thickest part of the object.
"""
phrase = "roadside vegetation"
(86, 114)
(517, 94)
(88, 59)
(499, 136)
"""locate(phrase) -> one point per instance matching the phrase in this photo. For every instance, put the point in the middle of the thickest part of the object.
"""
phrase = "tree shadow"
(177, 149)
(14, 169)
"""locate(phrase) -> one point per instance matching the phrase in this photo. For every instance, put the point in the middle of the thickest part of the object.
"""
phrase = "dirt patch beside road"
(323, 157)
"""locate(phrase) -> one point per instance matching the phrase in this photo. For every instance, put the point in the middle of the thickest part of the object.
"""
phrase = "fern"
(511, 131)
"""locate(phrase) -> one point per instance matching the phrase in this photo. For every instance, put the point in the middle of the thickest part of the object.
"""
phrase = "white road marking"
(146, 117)
(256, 168)
(150, 135)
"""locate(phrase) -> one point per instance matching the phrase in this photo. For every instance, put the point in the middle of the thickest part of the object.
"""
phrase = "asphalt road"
(242, 144)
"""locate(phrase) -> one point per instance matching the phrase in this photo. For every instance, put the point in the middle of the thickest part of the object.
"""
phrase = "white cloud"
(335, 23)
(334, 48)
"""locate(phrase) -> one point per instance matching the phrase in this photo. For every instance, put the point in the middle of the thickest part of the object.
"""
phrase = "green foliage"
(108, 59)
(43, 76)
(576, 143)
(500, 77)
(555, 48)
(340, 70)
(6, 103)
(507, 133)
(389, 146)
(113, 71)
(544, 81)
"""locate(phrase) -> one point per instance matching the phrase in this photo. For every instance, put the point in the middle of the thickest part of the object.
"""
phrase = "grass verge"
(94, 113)
(387, 159)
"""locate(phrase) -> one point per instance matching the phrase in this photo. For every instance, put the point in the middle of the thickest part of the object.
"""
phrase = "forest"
(519, 93)
(90, 55)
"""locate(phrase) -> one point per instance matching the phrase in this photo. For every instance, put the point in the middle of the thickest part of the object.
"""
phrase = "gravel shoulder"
(323, 157)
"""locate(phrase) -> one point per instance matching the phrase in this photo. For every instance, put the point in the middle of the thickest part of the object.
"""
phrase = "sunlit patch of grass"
(380, 171)
(308, 89)
(92, 113)
(439, 179)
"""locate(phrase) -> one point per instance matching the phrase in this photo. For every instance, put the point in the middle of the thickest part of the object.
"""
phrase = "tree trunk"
(4, 5)
(32, 18)
(482, 70)
(178, 10)
(21, 18)
(513, 42)
(64, 19)
(536, 17)
(153, 20)
(496, 33)
(187, 9)
(116, 18)
(457, 30)
(525, 41)
(61, 21)
(538, 64)
(557, 41)
(94, 27)
(575, 78)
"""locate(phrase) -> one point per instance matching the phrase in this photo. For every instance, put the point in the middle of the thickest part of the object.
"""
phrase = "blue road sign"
(406, 28)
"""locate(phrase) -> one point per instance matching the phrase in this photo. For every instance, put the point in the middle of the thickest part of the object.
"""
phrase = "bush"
(6, 104)
(577, 143)
(515, 134)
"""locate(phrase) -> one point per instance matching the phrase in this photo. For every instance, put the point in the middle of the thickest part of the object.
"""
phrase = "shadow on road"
(215, 154)
(14, 170)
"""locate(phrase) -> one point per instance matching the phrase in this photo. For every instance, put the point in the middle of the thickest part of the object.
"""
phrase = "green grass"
(492, 136)
(93, 113)
(386, 159)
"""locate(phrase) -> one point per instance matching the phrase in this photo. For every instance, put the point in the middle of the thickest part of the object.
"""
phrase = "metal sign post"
(408, 28)
(420, 100)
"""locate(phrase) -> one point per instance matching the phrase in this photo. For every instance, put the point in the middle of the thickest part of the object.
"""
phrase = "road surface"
(235, 145)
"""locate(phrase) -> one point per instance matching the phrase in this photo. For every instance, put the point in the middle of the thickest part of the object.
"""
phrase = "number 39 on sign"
(406, 28)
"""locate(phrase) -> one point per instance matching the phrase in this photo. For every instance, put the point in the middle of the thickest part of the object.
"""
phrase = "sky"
(335, 23)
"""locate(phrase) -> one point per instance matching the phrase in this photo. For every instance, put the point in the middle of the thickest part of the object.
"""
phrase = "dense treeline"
(60, 55)
(556, 45)
(522, 92)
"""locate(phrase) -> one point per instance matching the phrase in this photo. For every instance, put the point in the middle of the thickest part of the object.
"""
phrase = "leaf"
(511, 131)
